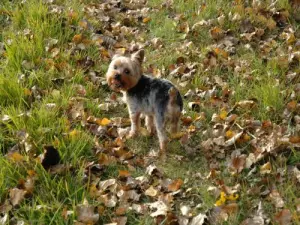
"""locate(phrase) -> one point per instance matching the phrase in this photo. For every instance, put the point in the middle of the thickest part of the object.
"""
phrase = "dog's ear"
(138, 56)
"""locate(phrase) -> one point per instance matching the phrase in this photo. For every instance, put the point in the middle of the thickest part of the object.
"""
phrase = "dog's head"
(124, 72)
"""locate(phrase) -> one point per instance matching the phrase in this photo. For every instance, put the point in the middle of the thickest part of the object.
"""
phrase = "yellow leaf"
(219, 203)
(177, 135)
(73, 133)
(146, 20)
(232, 197)
(223, 114)
(104, 122)
(221, 52)
(27, 92)
(191, 129)
(266, 168)
(17, 157)
(77, 38)
(31, 173)
(246, 137)
(221, 200)
(229, 134)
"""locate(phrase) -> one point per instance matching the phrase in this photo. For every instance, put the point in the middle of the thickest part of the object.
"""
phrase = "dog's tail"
(173, 95)
(175, 98)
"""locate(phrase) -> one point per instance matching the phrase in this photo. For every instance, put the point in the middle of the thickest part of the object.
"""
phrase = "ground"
(65, 158)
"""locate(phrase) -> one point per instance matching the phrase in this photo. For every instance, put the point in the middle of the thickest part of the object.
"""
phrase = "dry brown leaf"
(103, 159)
(238, 161)
(284, 217)
(175, 185)
(86, 213)
(110, 184)
(131, 195)
(120, 211)
(276, 199)
(109, 200)
(294, 139)
(216, 33)
(292, 105)
(124, 173)
(16, 196)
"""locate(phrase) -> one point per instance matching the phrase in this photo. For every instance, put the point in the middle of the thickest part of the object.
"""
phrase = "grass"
(26, 64)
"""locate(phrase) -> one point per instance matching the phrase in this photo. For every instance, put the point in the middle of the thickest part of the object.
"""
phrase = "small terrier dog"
(157, 99)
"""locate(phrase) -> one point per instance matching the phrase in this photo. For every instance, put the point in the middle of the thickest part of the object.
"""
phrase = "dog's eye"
(127, 71)
(115, 67)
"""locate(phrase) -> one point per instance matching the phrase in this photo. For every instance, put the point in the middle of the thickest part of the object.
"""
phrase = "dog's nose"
(118, 76)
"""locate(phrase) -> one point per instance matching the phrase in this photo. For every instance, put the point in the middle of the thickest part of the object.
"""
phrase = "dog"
(158, 99)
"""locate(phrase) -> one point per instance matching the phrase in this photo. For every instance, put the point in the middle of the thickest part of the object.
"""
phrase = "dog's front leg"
(135, 123)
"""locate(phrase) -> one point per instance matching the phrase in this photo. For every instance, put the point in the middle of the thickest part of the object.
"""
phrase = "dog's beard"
(116, 85)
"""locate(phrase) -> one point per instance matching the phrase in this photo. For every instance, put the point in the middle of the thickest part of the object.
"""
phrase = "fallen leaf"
(276, 199)
(175, 185)
(160, 208)
(77, 38)
(234, 139)
(103, 122)
(146, 20)
(294, 139)
(238, 161)
(266, 168)
(110, 184)
(284, 217)
(185, 210)
(16, 196)
(177, 135)
(151, 191)
(124, 173)
(15, 156)
(198, 220)
(216, 33)
(86, 213)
